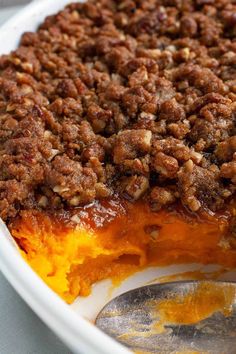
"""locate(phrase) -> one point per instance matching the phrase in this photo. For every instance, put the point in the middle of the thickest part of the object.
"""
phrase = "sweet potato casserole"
(118, 139)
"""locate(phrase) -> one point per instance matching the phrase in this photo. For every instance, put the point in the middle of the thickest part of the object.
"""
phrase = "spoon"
(179, 317)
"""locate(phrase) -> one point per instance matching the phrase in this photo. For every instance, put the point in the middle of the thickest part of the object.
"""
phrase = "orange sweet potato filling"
(113, 239)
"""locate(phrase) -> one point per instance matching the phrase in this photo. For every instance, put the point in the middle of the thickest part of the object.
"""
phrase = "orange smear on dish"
(113, 239)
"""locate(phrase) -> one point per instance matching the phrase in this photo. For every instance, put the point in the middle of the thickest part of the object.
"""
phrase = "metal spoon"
(138, 319)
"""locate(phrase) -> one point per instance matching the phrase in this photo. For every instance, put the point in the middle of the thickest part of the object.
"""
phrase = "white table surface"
(21, 331)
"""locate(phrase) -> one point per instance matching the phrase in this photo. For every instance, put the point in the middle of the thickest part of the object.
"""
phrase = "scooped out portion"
(115, 238)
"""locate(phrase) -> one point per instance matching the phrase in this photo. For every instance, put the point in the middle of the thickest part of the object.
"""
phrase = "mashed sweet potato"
(114, 238)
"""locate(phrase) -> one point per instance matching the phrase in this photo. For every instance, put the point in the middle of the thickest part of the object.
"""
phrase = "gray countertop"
(21, 331)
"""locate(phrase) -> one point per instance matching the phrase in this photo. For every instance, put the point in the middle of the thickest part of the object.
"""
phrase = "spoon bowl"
(179, 317)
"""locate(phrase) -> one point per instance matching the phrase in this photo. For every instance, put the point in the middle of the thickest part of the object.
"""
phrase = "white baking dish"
(68, 322)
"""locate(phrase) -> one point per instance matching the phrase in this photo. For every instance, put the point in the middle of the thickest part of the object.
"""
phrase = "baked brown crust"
(136, 97)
